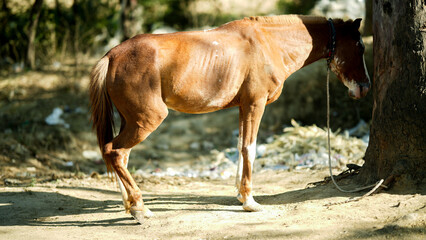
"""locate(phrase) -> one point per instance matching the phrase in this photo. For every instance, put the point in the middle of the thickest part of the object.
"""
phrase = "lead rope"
(374, 186)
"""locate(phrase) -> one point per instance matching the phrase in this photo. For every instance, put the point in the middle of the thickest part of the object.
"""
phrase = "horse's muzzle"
(360, 91)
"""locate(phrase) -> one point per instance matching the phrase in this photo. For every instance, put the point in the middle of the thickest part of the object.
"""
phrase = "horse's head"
(348, 62)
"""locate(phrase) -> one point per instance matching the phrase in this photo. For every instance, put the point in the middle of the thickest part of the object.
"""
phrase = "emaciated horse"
(241, 64)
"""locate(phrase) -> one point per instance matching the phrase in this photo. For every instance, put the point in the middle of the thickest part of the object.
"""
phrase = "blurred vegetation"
(296, 6)
(66, 28)
(56, 30)
(84, 26)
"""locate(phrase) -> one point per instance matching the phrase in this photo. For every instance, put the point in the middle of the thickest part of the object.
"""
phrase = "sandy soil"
(185, 208)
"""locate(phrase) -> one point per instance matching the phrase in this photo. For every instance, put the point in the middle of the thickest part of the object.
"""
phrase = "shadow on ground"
(34, 208)
(43, 207)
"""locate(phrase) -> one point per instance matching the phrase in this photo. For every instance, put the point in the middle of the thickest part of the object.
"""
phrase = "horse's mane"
(290, 19)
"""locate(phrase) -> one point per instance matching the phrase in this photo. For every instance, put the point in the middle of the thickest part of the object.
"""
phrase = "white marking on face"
(350, 84)
(354, 90)
(215, 43)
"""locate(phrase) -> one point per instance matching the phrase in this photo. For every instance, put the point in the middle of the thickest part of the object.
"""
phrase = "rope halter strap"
(332, 42)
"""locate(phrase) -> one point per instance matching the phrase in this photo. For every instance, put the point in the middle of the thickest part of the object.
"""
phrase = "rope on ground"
(374, 186)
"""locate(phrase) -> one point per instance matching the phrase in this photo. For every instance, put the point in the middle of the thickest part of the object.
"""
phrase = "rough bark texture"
(32, 30)
(398, 131)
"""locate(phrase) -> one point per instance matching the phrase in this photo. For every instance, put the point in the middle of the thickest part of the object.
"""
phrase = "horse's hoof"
(240, 198)
(139, 215)
(252, 206)
(148, 213)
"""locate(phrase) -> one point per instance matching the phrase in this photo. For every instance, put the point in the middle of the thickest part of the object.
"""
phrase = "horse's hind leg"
(124, 194)
(136, 129)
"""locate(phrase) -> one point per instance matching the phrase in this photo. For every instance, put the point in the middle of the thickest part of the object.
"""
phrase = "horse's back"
(193, 72)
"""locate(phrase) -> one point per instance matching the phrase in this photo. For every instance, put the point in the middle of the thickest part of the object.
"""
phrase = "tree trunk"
(76, 36)
(131, 18)
(32, 30)
(398, 131)
(368, 22)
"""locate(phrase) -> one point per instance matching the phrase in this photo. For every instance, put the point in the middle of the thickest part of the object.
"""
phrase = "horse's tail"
(101, 107)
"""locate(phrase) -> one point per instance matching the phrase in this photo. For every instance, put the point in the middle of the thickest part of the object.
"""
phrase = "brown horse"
(243, 63)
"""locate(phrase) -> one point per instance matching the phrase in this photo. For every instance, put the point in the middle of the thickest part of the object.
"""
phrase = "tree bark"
(398, 130)
(32, 30)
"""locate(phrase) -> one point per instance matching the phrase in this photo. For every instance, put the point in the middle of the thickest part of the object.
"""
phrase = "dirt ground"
(195, 208)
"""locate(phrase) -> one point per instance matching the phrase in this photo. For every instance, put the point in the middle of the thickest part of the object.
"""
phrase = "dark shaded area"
(296, 6)
(31, 208)
(57, 31)
(387, 232)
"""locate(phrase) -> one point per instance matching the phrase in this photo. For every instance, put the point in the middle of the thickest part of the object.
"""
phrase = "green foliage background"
(85, 26)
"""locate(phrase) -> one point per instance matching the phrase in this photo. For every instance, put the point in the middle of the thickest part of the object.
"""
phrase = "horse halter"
(331, 43)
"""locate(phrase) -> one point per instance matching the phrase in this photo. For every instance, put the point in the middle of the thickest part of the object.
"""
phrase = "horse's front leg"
(240, 157)
(251, 114)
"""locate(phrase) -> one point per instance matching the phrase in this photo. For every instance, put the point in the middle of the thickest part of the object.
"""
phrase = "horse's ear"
(357, 23)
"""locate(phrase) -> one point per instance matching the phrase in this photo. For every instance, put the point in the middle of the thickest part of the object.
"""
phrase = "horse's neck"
(301, 44)
(319, 33)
